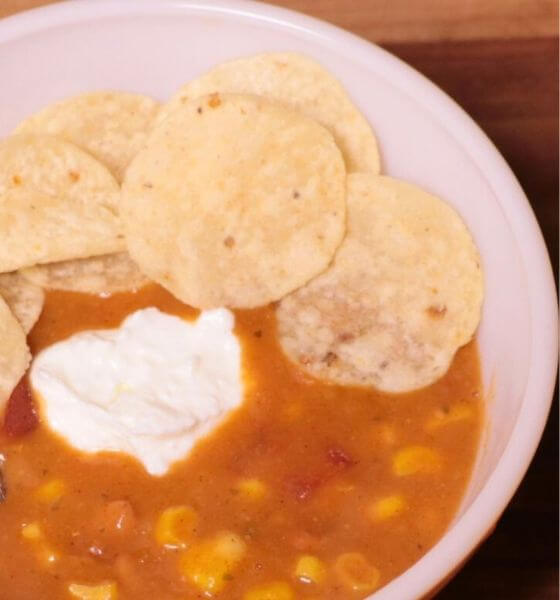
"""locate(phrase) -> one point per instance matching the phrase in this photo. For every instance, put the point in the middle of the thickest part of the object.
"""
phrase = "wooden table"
(499, 60)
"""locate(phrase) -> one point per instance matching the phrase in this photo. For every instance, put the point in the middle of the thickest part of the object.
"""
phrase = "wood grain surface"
(418, 20)
(435, 20)
(499, 60)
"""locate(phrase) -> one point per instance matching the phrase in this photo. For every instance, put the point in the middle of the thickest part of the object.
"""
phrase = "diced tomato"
(304, 487)
(21, 414)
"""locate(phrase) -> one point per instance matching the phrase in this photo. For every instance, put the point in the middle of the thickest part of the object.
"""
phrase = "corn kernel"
(208, 564)
(252, 489)
(51, 491)
(270, 591)
(355, 572)
(174, 528)
(459, 412)
(416, 459)
(104, 591)
(309, 569)
(387, 507)
(31, 531)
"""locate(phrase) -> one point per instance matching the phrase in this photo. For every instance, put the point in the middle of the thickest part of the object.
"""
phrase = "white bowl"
(154, 46)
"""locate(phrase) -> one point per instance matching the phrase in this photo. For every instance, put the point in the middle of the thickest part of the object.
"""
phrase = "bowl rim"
(470, 529)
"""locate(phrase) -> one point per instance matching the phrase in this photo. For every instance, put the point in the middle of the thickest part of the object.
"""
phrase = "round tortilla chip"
(299, 83)
(14, 353)
(24, 298)
(111, 126)
(107, 274)
(56, 203)
(403, 294)
(234, 201)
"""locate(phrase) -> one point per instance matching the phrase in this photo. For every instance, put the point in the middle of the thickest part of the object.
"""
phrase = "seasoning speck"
(214, 101)
(329, 358)
(436, 311)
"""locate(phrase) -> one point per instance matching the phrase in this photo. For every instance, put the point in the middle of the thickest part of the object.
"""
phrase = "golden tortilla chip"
(234, 201)
(297, 82)
(403, 294)
(56, 203)
(107, 274)
(14, 353)
(24, 298)
(111, 126)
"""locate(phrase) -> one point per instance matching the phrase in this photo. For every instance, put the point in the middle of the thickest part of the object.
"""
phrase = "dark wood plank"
(511, 89)
(430, 20)
(398, 20)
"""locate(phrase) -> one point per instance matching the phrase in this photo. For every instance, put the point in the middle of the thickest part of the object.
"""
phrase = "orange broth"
(323, 455)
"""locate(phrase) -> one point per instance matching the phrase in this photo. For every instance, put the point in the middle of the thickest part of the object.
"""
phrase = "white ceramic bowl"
(154, 46)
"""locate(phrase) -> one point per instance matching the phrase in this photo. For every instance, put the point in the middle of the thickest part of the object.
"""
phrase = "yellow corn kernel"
(31, 531)
(355, 572)
(416, 459)
(103, 591)
(174, 528)
(459, 412)
(208, 564)
(270, 591)
(252, 489)
(309, 569)
(387, 507)
(51, 492)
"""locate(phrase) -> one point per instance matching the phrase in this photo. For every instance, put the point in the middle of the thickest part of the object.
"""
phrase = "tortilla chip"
(111, 126)
(56, 203)
(403, 294)
(24, 298)
(14, 353)
(107, 274)
(234, 201)
(299, 83)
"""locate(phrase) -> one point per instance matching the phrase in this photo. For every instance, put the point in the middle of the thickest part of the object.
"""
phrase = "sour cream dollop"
(150, 388)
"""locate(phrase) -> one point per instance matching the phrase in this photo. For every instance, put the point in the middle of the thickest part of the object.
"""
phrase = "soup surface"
(309, 490)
